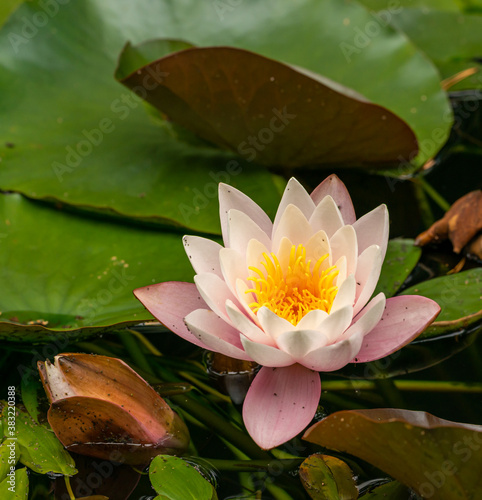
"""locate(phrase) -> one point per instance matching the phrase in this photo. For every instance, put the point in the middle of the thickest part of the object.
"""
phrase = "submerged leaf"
(430, 455)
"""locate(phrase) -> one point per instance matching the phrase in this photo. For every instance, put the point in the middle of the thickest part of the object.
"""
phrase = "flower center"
(293, 292)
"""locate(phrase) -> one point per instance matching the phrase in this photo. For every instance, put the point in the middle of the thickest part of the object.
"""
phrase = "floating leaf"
(328, 478)
(8, 457)
(76, 276)
(271, 112)
(436, 458)
(459, 297)
(402, 256)
(174, 479)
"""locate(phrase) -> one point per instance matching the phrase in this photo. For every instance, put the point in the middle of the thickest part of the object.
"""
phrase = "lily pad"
(91, 143)
(402, 256)
(459, 297)
(174, 479)
(436, 458)
(66, 277)
(271, 112)
(327, 478)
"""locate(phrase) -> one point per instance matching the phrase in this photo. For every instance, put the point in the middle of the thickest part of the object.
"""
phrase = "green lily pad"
(436, 458)
(38, 447)
(174, 479)
(90, 143)
(327, 478)
(402, 256)
(17, 489)
(225, 95)
(66, 277)
(459, 296)
(8, 457)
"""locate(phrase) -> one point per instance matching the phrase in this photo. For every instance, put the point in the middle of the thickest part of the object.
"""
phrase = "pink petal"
(294, 194)
(292, 225)
(372, 229)
(230, 198)
(170, 303)
(203, 254)
(333, 187)
(405, 317)
(266, 355)
(216, 334)
(241, 229)
(215, 293)
(344, 242)
(246, 326)
(327, 217)
(334, 356)
(367, 274)
(280, 403)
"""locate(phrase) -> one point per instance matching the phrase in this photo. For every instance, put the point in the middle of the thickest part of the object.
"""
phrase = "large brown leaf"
(270, 111)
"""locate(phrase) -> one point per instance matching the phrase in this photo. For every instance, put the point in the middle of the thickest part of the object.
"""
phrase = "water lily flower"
(292, 295)
(102, 408)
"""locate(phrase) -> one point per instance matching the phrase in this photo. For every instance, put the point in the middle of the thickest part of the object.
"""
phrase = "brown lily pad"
(269, 111)
(436, 458)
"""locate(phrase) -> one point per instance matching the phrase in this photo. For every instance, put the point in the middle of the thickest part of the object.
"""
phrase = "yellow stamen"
(293, 292)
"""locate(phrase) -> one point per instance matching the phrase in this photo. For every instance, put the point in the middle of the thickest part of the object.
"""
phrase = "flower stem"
(255, 465)
(423, 204)
(390, 392)
(405, 385)
(436, 197)
(135, 352)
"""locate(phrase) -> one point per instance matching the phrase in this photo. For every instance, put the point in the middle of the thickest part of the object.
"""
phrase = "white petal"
(241, 229)
(372, 229)
(327, 217)
(341, 267)
(229, 198)
(266, 355)
(335, 356)
(335, 324)
(254, 253)
(232, 267)
(272, 324)
(215, 293)
(298, 343)
(318, 246)
(368, 318)
(283, 252)
(294, 194)
(203, 254)
(246, 326)
(368, 272)
(215, 333)
(294, 226)
(245, 298)
(344, 242)
(345, 295)
(312, 320)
